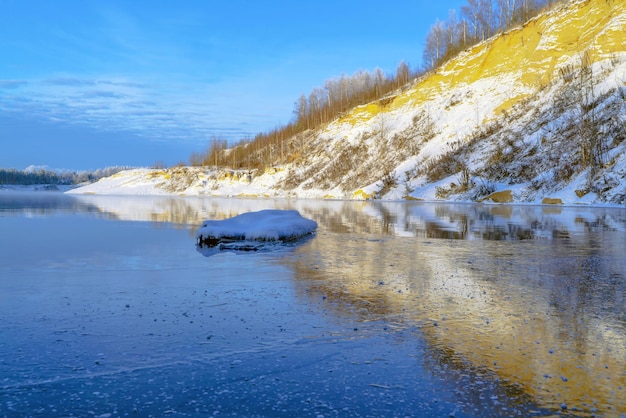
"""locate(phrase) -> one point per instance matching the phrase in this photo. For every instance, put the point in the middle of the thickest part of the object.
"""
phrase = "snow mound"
(251, 230)
(135, 182)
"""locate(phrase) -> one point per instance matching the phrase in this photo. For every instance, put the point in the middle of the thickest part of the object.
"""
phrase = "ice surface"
(402, 309)
(270, 225)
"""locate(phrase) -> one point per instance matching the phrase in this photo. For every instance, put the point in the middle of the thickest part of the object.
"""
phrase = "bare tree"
(591, 144)
(471, 12)
(402, 74)
(434, 50)
(505, 10)
(301, 110)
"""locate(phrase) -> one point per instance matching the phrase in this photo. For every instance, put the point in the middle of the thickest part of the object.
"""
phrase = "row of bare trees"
(321, 106)
(478, 20)
(345, 92)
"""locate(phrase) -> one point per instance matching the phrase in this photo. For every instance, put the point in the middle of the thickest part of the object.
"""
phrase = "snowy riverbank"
(196, 181)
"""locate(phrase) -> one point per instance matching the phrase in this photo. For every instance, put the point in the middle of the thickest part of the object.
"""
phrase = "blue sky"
(86, 84)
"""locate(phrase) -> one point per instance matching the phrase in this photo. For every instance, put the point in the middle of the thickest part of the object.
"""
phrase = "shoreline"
(71, 190)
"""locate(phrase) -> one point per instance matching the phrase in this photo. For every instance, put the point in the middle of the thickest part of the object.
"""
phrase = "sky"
(87, 84)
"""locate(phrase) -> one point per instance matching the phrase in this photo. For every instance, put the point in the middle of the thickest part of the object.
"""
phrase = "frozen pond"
(391, 309)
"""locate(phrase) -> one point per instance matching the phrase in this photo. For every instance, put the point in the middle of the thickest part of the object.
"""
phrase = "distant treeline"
(44, 176)
(478, 20)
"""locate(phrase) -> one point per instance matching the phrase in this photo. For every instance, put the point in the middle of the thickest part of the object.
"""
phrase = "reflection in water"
(532, 296)
(244, 247)
(413, 219)
(547, 316)
(34, 204)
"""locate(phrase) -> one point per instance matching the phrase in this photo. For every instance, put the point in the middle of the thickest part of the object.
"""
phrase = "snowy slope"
(538, 113)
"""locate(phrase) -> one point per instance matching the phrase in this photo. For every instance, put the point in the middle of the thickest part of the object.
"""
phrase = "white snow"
(140, 181)
(270, 225)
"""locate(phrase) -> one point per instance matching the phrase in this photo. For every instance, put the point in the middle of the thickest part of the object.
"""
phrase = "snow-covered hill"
(537, 114)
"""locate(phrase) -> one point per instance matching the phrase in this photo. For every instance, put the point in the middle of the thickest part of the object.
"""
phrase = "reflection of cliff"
(547, 315)
(184, 211)
(157, 209)
(463, 221)
(500, 312)
(427, 220)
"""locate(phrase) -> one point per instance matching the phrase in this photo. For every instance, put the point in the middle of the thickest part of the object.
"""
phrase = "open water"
(108, 309)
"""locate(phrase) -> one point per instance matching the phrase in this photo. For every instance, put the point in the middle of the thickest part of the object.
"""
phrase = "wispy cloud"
(189, 112)
(69, 81)
(12, 84)
(164, 76)
(101, 94)
(79, 82)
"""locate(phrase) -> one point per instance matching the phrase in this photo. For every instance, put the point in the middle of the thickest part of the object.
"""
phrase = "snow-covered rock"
(252, 230)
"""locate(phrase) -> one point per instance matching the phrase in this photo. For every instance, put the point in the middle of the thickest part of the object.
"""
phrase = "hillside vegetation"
(536, 112)
(477, 20)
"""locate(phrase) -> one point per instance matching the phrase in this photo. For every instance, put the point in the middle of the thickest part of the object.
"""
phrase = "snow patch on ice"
(250, 230)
